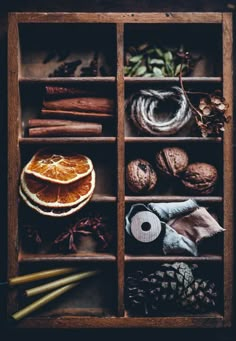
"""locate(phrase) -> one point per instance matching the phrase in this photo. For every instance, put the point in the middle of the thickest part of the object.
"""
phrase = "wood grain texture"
(13, 154)
(164, 259)
(120, 169)
(120, 319)
(65, 259)
(205, 321)
(68, 140)
(228, 169)
(170, 17)
(171, 198)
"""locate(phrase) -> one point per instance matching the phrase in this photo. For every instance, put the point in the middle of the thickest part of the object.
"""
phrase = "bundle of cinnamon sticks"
(71, 112)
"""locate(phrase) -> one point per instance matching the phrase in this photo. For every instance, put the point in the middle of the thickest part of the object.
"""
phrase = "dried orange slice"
(50, 194)
(51, 211)
(61, 168)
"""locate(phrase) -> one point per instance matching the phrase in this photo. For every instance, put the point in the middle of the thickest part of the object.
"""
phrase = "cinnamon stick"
(84, 104)
(78, 129)
(76, 114)
(63, 92)
(39, 122)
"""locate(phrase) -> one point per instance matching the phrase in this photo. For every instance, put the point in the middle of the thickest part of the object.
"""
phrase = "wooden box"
(100, 303)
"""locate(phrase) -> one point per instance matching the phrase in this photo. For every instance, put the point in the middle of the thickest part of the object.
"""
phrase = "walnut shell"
(172, 160)
(200, 178)
(140, 176)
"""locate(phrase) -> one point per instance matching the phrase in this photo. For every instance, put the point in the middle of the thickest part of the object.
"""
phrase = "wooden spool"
(145, 226)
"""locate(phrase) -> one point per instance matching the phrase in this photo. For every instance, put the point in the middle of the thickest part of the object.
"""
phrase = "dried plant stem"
(58, 283)
(185, 93)
(197, 93)
(40, 275)
(42, 301)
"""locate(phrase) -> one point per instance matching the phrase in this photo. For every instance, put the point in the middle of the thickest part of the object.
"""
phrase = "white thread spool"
(145, 226)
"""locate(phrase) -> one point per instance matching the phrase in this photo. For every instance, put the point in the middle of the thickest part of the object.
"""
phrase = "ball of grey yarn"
(143, 108)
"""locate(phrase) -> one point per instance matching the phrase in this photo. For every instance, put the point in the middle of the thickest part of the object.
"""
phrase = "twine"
(143, 108)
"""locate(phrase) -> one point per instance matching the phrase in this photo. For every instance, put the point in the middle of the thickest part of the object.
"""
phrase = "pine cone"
(171, 280)
(137, 293)
(199, 297)
(156, 292)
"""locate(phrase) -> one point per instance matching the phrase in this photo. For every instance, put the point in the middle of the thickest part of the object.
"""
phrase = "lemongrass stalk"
(42, 301)
(58, 283)
(36, 276)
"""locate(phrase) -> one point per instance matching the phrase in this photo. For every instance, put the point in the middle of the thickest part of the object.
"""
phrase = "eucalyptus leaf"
(170, 69)
(150, 51)
(142, 47)
(135, 68)
(148, 74)
(178, 68)
(157, 61)
(157, 72)
(135, 59)
(159, 52)
(168, 56)
(127, 69)
(141, 71)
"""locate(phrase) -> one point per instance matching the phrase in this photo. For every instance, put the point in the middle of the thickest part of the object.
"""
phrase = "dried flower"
(97, 226)
(210, 115)
(65, 242)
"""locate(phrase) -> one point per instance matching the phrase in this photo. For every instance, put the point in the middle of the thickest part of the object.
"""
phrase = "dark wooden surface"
(102, 5)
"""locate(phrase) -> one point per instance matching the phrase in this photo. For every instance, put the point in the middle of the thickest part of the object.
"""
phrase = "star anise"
(65, 242)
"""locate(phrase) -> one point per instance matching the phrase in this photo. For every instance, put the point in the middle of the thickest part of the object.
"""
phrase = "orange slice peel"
(50, 194)
(62, 168)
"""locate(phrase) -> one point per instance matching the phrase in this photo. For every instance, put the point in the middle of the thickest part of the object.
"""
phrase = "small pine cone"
(167, 284)
(199, 297)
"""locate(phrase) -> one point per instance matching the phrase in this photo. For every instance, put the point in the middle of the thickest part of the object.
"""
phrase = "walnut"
(200, 178)
(140, 176)
(172, 161)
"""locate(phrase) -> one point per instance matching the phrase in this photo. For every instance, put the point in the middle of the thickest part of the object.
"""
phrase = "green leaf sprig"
(151, 61)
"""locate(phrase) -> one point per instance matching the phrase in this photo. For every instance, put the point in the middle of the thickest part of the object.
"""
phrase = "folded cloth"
(196, 225)
(174, 243)
(167, 211)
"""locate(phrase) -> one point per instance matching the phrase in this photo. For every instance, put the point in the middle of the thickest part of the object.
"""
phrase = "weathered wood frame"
(14, 141)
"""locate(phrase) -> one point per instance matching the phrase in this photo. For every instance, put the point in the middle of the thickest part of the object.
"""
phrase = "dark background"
(88, 6)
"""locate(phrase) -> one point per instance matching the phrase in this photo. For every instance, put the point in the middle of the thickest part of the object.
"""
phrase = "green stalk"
(59, 283)
(40, 275)
(42, 301)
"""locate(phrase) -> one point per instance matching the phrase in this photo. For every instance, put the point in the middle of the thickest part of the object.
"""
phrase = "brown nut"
(172, 160)
(140, 176)
(200, 178)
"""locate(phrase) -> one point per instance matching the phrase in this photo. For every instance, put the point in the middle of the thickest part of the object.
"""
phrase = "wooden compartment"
(46, 46)
(100, 302)
(79, 301)
(167, 185)
(203, 270)
(33, 95)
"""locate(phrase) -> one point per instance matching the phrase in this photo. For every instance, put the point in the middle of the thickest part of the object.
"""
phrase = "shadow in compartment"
(88, 102)
(94, 296)
(144, 40)
(165, 184)
(102, 155)
(208, 245)
(173, 289)
(89, 232)
(45, 47)
(165, 109)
